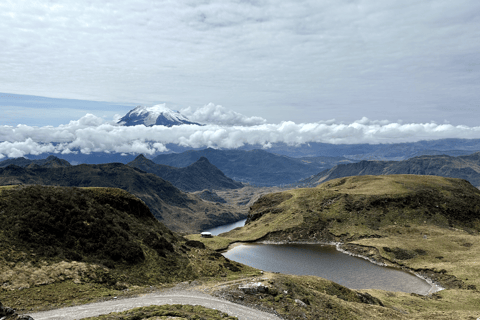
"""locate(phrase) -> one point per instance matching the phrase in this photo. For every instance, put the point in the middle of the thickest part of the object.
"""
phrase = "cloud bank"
(93, 134)
(215, 114)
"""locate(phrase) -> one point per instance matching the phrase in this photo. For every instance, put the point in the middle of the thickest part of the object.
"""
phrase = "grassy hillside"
(362, 206)
(62, 245)
(178, 210)
(426, 224)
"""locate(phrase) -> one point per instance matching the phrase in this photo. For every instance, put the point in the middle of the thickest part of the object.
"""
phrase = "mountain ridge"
(257, 167)
(178, 210)
(198, 176)
(464, 167)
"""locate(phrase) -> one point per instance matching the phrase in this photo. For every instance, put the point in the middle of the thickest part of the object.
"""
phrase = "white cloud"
(93, 134)
(215, 114)
(282, 60)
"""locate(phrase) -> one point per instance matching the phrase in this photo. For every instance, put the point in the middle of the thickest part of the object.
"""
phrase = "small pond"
(326, 262)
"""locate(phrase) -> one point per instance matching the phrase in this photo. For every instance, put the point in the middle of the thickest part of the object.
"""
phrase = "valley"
(423, 224)
(180, 211)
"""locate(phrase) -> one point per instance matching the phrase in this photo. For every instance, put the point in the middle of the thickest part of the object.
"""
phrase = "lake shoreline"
(434, 286)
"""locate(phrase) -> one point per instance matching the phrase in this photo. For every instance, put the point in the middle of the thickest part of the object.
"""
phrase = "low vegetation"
(304, 297)
(176, 311)
(423, 224)
(61, 246)
(179, 211)
(427, 225)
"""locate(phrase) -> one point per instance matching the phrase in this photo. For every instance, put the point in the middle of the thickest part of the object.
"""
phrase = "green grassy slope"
(177, 210)
(426, 224)
(62, 245)
(363, 206)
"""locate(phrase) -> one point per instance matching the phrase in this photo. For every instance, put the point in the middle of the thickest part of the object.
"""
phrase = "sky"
(385, 66)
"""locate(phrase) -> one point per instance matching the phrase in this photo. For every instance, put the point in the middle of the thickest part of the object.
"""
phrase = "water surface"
(326, 262)
(226, 227)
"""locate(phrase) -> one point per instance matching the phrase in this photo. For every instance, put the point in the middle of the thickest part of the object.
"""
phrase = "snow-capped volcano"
(158, 115)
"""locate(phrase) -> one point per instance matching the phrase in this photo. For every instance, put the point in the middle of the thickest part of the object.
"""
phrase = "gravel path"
(176, 297)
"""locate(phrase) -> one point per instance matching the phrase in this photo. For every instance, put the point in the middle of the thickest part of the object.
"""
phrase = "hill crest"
(361, 206)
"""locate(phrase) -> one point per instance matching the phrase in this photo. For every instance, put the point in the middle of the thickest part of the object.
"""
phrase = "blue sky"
(42, 111)
(403, 61)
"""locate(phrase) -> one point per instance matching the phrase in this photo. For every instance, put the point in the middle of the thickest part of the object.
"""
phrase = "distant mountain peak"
(157, 115)
(141, 157)
(202, 159)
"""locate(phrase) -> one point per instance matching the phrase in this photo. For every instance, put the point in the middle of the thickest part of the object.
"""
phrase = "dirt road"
(177, 297)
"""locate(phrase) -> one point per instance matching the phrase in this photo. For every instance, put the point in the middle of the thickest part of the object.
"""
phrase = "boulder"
(253, 288)
(11, 314)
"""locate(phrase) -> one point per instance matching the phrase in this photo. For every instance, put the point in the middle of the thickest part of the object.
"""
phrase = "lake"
(326, 262)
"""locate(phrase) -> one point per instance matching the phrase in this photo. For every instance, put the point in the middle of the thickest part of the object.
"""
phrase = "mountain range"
(464, 167)
(262, 168)
(195, 177)
(178, 210)
(380, 151)
(49, 162)
(257, 167)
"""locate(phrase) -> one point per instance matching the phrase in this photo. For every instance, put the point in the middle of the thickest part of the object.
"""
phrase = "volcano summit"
(157, 115)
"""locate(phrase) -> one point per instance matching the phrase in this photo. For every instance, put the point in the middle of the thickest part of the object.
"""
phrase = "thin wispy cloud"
(301, 61)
